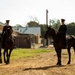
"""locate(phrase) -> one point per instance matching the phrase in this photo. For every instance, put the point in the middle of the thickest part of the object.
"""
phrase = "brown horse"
(58, 43)
(8, 45)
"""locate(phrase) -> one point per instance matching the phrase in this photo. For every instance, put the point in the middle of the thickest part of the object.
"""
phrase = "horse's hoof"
(59, 64)
(7, 63)
(68, 63)
(0, 61)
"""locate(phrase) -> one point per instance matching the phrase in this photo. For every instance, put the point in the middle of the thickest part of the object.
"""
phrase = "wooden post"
(46, 16)
(47, 24)
(45, 43)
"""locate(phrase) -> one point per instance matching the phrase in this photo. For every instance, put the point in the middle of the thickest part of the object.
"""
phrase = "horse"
(8, 45)
(70, 42)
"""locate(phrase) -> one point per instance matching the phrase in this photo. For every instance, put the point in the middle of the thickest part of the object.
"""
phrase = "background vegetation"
(23, 53)
(55, 23)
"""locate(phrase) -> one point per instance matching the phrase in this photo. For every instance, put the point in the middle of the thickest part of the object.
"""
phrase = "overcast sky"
(22, 11)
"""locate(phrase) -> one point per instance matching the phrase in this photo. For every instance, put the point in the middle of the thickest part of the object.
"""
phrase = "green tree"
(18, 25)
(55, 23)
(32, 23)
(43, 29)
(71, 28)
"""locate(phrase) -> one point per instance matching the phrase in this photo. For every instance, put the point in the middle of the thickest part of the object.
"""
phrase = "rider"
(3, 32)
(62, 31)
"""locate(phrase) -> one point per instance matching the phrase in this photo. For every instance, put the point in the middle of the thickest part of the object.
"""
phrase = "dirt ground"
(41, 64)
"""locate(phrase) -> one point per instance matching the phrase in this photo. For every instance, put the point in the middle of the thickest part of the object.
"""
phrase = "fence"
(23, 42)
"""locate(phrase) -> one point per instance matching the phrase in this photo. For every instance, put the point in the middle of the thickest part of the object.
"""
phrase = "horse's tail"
(74, 45)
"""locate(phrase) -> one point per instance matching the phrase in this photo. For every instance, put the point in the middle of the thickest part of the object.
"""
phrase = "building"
(25, 37)
(31, 31)
(28, 36)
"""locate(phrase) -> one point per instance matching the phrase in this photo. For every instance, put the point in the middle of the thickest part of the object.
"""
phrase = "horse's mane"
(53, 31)
(8, 31)
(56, 32)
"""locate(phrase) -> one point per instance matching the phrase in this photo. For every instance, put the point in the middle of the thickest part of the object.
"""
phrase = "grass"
(22, 53)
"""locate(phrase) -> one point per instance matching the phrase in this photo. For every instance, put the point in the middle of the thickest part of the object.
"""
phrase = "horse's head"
(50, 32)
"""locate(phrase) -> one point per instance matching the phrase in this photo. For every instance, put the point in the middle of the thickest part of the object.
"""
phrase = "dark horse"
(8, 45)
(58, 43)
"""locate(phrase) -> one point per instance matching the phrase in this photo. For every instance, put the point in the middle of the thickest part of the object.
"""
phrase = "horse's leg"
(58, 51)
(8, 59)
(74, 48)
(5, 56)
(0, 56)
(69, 53)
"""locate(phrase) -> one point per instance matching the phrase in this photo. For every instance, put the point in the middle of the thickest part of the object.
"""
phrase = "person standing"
(62, 31)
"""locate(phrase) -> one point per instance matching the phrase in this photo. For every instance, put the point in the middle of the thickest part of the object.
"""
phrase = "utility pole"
(46, 41)
(47, 17)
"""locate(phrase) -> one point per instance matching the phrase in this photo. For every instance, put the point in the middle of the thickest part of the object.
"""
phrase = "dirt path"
(41, 64)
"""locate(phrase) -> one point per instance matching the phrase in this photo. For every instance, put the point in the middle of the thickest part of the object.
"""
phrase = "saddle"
(63, 40)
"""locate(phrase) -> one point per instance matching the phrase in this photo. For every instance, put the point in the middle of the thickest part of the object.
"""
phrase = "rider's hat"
(62, 20)
(7, 21)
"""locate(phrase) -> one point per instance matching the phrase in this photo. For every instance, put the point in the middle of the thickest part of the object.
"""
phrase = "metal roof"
(29, 30)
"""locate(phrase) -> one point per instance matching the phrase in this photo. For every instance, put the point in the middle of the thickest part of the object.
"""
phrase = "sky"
(23, 11)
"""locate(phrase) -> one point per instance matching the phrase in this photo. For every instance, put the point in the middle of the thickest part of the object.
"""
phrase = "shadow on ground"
(43, 68)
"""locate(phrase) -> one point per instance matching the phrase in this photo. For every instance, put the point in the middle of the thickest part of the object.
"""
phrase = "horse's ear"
(50, 26)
